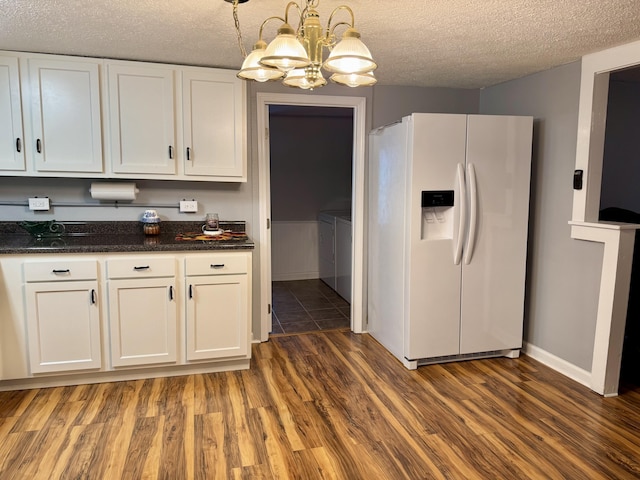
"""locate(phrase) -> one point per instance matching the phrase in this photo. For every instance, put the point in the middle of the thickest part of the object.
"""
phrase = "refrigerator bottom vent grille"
(461, 357)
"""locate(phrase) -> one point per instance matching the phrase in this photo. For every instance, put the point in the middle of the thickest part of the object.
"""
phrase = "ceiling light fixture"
(296, 56)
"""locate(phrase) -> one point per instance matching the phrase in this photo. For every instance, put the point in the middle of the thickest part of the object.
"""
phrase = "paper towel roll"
(114, 191)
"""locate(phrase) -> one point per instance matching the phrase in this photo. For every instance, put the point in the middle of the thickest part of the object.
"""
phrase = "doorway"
(618, 239)
(620, 198)
(311, 171)
(357, 105)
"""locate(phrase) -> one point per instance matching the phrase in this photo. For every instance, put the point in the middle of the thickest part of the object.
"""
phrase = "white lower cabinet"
(217, 319)
(62, 316)
(116, 315)
(142, 311)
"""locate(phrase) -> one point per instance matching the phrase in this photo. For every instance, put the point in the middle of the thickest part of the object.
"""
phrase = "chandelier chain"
(238, 31)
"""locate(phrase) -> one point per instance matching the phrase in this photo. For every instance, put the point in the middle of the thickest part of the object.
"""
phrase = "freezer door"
(432, 296)
(493, 273)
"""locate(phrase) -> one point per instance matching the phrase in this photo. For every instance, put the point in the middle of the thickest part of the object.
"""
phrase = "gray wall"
(311, 164)
(391, 103)
(231, 201)
(563, 274)
(621, 165)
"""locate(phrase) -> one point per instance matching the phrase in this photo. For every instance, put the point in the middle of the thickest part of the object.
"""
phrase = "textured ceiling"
(452, 43)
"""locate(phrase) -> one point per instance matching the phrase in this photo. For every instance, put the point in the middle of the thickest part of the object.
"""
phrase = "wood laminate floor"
(330, 405)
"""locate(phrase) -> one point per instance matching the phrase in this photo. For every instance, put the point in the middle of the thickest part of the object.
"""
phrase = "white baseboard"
(558, 364)
(285, 277)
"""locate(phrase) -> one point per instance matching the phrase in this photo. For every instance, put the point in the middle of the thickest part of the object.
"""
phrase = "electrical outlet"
(188, 206)
(39, 203)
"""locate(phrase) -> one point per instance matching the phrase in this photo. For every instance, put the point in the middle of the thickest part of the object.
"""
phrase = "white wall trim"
(613, 299)
(592, 116)
(263, 100)
(618, 243)
(558, 364)
(287, 277)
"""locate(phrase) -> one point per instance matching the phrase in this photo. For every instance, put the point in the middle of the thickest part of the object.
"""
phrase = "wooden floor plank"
(210, 459)
(326, 405)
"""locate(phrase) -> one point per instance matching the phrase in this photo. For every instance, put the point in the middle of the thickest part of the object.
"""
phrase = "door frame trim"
(358, 198)
(619, 242)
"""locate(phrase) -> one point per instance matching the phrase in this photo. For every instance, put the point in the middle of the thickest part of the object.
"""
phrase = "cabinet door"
(213, 122)
(66, 127)
(11, 139)
(63, 325)
(217, 317)
(142, 321)
(142, 119)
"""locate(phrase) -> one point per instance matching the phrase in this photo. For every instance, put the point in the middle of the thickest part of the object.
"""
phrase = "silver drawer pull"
(61, 272)
(217, 265)
(145, 267)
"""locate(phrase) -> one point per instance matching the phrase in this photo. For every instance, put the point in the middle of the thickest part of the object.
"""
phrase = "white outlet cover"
(188, 206)
(39, 203)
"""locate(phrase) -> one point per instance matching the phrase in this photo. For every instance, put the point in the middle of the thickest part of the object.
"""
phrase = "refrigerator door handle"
(462, 201)
(473, 216)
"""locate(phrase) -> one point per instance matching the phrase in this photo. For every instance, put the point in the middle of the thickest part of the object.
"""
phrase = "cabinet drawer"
(63, 270)
(217, 265)
(141, 267)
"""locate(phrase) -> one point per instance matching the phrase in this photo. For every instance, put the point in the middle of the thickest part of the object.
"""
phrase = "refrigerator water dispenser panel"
(437, 198)
(437, 214)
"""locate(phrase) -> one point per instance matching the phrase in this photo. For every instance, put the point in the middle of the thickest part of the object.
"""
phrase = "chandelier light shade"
(285, 52)
(305, 79)
(350, 55)
(354, 79)
(297, 55)
(252, 69)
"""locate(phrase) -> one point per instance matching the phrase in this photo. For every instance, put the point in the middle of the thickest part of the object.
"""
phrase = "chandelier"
(296, 56)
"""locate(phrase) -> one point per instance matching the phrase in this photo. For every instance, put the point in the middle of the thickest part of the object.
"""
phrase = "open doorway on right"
(620, 197)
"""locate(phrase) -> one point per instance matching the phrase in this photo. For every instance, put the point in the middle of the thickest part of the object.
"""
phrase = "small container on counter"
(150, 222)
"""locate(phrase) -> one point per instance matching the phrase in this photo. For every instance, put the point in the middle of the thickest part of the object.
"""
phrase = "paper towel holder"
(113, 191)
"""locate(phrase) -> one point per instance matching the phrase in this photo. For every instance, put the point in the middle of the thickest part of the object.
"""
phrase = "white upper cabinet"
(64, 114)
(213, 124)
(101, 118)
(11, 138)
(142, 119)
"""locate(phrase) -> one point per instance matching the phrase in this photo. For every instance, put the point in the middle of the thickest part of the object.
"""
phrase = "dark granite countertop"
(121, 237)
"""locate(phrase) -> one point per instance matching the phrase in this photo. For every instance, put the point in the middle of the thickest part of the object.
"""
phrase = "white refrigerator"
(447, 242)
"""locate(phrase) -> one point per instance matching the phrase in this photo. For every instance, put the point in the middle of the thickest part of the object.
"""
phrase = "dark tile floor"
(306, 306)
